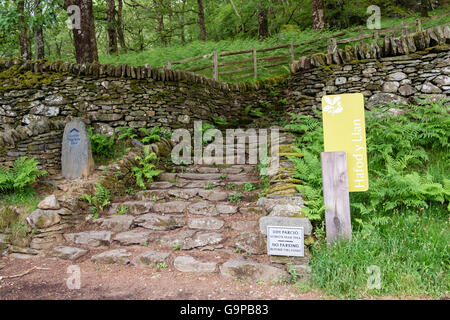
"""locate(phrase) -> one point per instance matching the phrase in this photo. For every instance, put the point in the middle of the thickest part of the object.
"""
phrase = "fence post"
(332, 45)
(168, 64)
(215, 62)
(255, 65)
(403, 28)
(418, 25)
(291, 52)
(361, 34)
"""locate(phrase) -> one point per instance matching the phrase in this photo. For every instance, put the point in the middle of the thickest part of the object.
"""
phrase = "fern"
(99, 201)
(146, 169)
(151, 136)
(21, 176)
(127, 133)
(101, 144)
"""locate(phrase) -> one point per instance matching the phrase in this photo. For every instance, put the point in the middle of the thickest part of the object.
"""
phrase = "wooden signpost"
(344, 162)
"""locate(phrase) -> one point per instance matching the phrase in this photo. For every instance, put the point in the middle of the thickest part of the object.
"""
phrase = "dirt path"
(125, 282)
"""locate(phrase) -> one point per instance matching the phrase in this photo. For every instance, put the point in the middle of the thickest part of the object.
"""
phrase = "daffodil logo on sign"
(344, 130)
(332, 105)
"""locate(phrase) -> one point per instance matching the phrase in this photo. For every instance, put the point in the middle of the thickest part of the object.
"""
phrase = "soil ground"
(110, 282)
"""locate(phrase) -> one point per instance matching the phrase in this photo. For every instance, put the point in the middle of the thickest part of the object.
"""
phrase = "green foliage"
(122, 210)
(209, 186)
(411, 250)
(101, 144)
(127, 133)
(248, 187)
(20, 177)
(408, 162)
(154, 135)
(176, 246)
(99, 201)
(235, 197)
(208, 136)
(220, 121)
(146, 169)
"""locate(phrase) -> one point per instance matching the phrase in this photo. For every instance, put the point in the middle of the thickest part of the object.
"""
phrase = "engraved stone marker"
(76, 157)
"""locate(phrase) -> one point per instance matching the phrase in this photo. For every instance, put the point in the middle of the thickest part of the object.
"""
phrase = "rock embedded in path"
(150, 257)
(206, 224)
(117, 256)
(117, 222)
(76, 155)
(254, 271)
(190, 264)
(67, 253)
(253, 243)
(132, 207)
(90, 238)
(43, 218)
(170, 207)
(160, 223)
(49, 203)
(132, 237)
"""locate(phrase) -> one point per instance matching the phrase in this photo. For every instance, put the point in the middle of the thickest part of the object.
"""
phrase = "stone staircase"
(197, 218)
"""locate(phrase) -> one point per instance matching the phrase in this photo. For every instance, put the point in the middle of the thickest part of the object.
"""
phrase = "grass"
(411, 251)
(159, 56)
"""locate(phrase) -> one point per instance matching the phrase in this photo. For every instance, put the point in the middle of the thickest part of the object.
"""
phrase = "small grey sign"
(285, 241)
(74, 137)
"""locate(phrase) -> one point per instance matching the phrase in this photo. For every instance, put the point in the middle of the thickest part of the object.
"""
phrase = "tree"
(38, 32)
(24, 40)
(120, 26)
(424, 7)
(318, 14)
(84, 38)
(112, 33)
(201, 20)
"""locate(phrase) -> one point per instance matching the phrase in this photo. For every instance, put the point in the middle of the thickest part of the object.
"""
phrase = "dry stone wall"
(38, 98)
(397, 70)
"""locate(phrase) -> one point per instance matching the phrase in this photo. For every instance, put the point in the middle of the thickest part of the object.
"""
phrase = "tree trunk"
(84, 39)
(263, 24)
(160, 20)
(318, 14)
(201, 20)
(120, 27)
(183, 21)
(24, 41)
(112, 34)
(38, 34)
(424, 7)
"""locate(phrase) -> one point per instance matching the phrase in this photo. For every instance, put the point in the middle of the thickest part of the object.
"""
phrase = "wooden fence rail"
(294, 50)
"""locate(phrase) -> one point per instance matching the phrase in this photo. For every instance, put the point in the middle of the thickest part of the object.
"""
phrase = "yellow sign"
(344, 129)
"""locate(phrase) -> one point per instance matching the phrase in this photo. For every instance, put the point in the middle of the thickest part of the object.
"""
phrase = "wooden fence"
(265, 60)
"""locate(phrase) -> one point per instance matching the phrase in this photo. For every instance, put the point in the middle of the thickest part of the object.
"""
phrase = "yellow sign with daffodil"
(344, 129)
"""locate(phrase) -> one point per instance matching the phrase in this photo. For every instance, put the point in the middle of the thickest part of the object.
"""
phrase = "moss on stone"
(16, 79)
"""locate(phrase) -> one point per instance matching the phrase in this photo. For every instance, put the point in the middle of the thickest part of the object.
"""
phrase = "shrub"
(21, 176)
(101, 144)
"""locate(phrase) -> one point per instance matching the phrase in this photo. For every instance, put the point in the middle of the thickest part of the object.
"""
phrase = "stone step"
(188, 177)
(216, 169)
(90, 238)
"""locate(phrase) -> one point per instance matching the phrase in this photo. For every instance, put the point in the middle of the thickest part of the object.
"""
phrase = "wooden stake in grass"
(336, 196)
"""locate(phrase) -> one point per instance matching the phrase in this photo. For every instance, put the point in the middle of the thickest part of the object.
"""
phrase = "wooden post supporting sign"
(336, 196)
